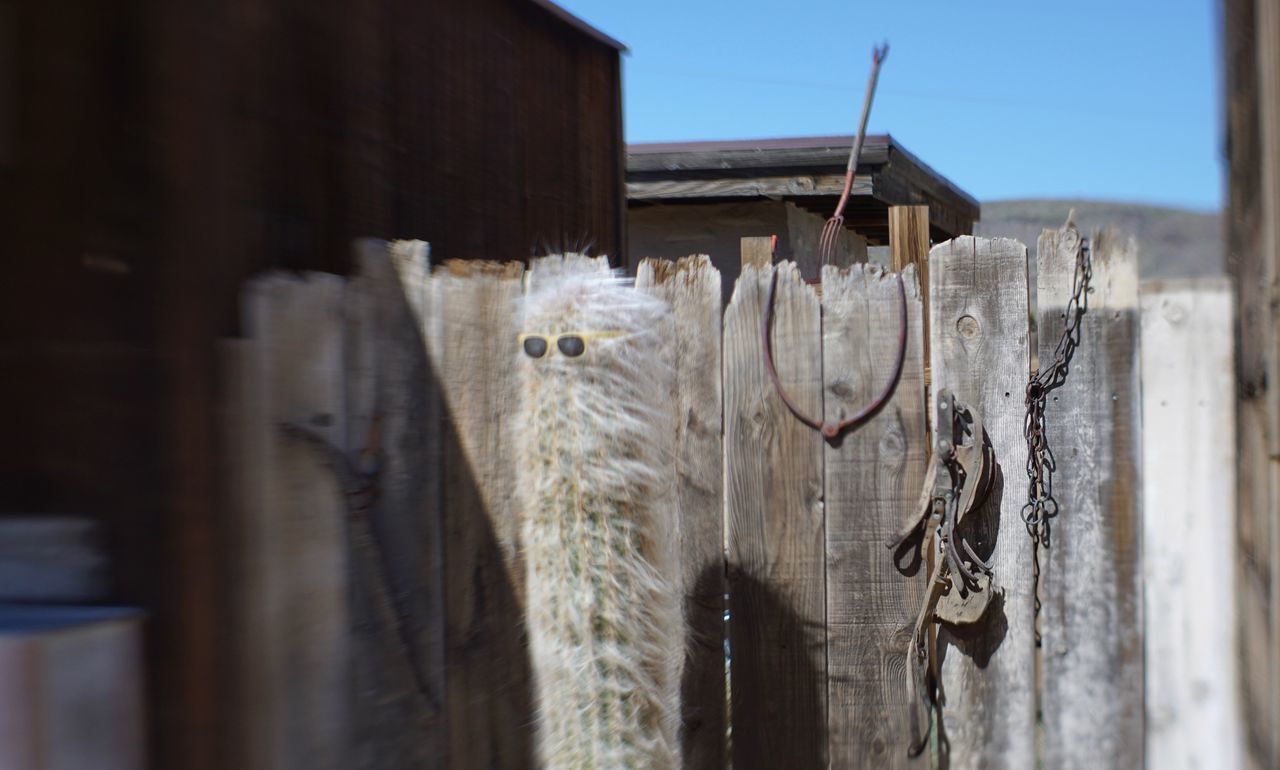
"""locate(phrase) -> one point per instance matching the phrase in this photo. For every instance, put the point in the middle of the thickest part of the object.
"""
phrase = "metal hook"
(831, 430)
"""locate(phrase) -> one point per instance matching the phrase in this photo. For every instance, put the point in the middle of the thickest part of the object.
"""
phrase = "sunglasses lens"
(535, 347)
(571, 345)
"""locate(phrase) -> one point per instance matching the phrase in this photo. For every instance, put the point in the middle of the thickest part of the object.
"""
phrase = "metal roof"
(806, 170)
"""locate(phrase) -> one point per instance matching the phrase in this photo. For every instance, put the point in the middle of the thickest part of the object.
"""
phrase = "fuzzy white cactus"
(596, 473)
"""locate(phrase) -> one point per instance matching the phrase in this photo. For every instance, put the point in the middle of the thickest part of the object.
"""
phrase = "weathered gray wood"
(692, 287)
(490, 705)
(1091, 583)
(1194, 716)
(396, 550)
(289, 576)
(755, 187)
(978, 312)
(756, 154)
(873, 477)
(1263, 650)
(774, 527)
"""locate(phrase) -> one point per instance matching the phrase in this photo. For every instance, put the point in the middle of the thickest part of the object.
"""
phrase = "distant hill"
(1171, 242)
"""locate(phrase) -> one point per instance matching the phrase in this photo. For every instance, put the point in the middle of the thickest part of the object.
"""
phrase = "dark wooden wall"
(155, 154)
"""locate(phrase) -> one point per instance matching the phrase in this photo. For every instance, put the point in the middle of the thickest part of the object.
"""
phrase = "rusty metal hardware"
(960, 589)
(1041, 505)
(831, 230)
(831, 430)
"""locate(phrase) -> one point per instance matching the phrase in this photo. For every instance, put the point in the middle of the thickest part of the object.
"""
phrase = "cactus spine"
(599, 529)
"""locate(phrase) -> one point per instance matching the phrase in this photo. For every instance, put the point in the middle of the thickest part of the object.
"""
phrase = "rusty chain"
(1041, 505)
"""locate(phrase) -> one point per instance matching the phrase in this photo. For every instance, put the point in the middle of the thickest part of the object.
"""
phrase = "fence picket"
(289, 629)
(490, 699)
(397, 601)
(979, 317)
(1091, 583)
(873, 477)
(1189, 550)
(774, 527)
(692, 287)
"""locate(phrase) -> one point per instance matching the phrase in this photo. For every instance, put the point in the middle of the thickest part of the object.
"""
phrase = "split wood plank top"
(873, 480)
(774, 523)
(1091, 581)
(691, 286)
(979, 318)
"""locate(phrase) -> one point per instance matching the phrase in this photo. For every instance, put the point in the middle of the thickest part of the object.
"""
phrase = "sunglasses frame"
(553, 340)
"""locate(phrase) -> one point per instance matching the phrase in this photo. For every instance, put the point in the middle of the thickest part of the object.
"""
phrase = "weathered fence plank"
(289, 563)
(774, 527)
(979, 317)
(1189, 546)
(692, 287)
(397, 602)
(1091, 583)
(872, 478)
(490, 701)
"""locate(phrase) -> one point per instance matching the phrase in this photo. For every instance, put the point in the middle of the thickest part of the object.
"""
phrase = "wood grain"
(774, 527)
(490, 719)
(909, 245)
(1189, 547)
(393, 409)
(290, 572)
(872, 483)
(1091, 584)
(1250, 246)
(756, 251)
(755, 187)
(692, 287)
(1266, 746)
(978, 307)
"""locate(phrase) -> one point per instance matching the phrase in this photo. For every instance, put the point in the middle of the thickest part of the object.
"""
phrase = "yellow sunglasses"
(570, 344)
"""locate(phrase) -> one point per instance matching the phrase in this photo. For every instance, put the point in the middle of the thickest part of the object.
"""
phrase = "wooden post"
(774, 527)
(909, 245)
(1189, 550)
(873, 477)
(978, 303)
(1262, 645)
(692, 288)
(490, 698)
(1091, 581)
(757, 251)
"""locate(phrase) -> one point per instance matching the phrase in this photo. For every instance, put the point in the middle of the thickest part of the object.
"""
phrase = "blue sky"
(1111, 100)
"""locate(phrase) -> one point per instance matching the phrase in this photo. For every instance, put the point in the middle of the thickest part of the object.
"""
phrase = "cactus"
(599, 530)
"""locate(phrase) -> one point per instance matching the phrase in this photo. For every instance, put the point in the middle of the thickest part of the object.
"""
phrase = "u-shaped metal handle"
(832, 430)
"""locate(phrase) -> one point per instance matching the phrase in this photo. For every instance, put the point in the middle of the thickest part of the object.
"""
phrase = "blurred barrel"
(71, 688)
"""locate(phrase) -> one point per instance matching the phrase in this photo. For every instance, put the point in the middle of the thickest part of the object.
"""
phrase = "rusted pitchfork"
(831, 231)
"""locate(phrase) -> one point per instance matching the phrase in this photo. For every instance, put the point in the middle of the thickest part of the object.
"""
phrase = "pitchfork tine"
(831, 230)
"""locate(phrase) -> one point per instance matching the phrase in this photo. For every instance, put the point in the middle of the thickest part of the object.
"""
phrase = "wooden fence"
(377, 615)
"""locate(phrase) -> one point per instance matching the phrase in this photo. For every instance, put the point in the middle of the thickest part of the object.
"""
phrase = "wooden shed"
(155, 155)
(701, 197)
